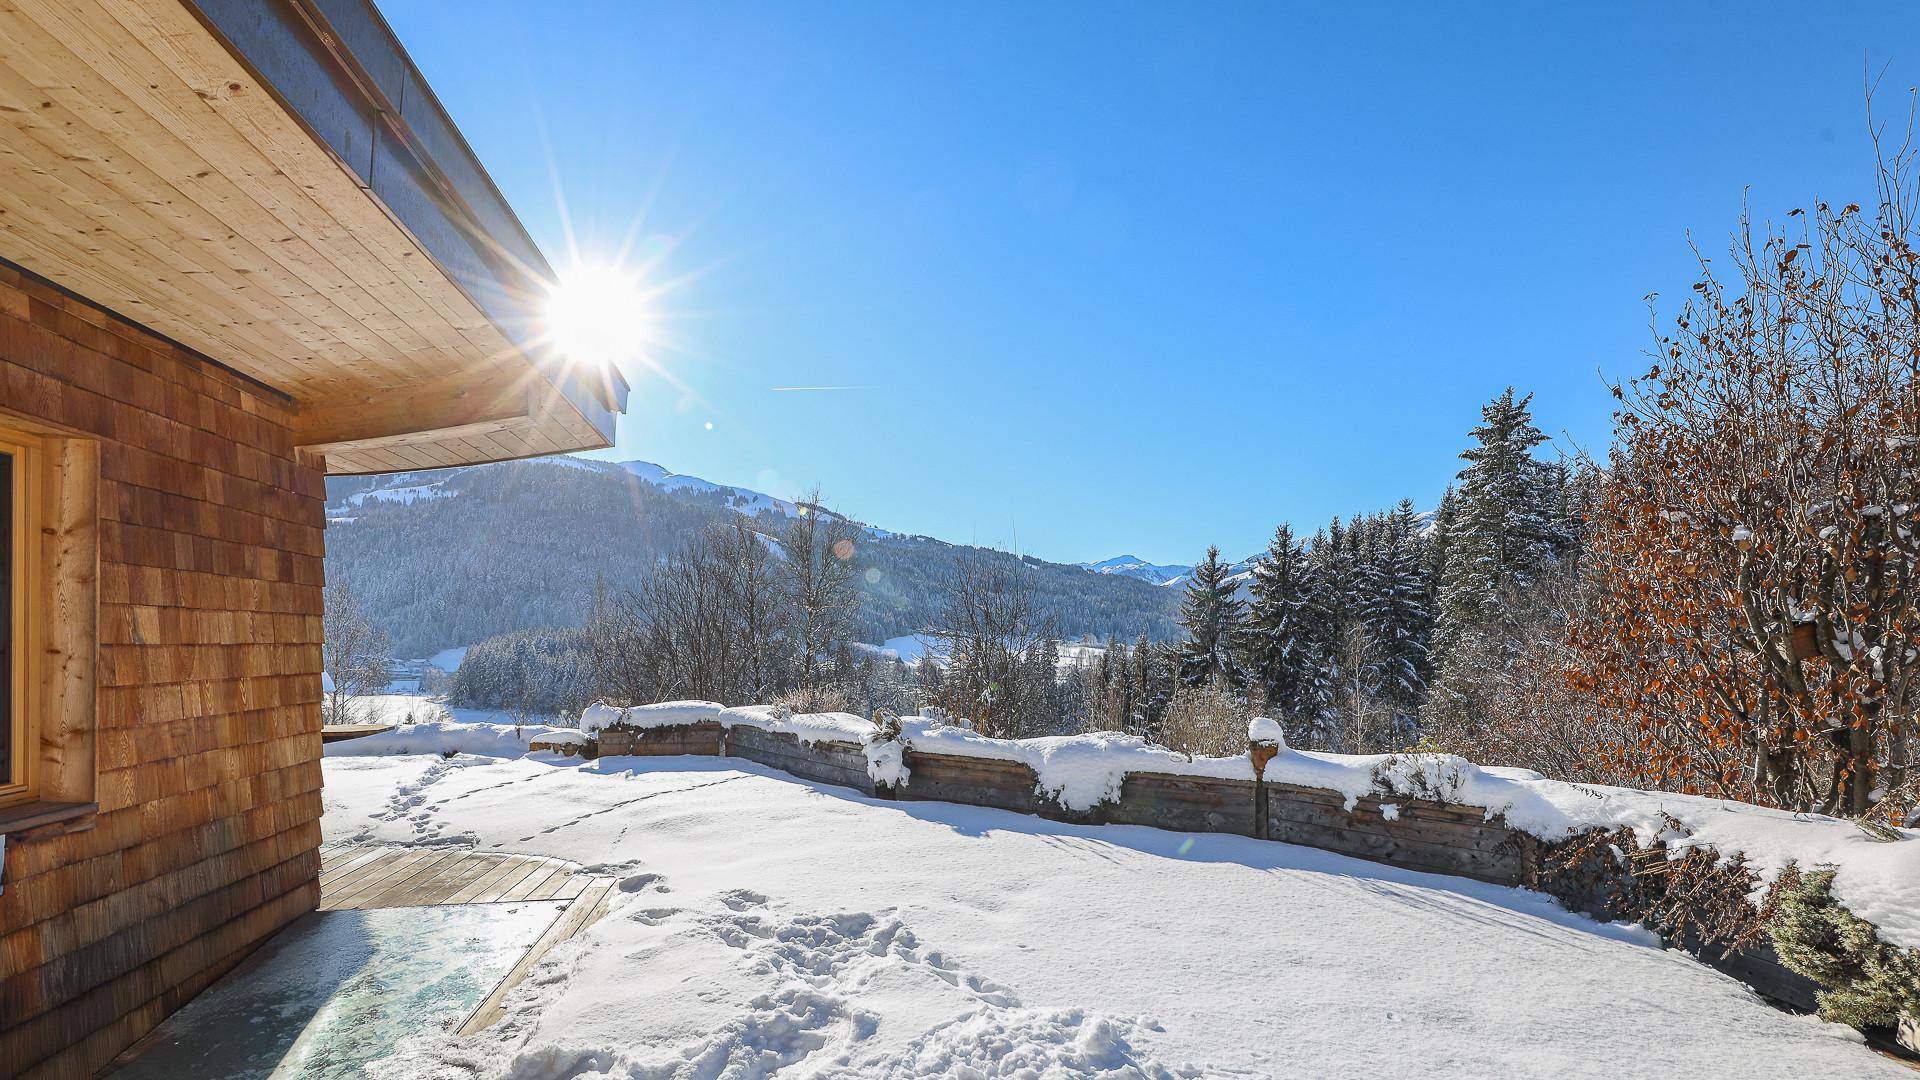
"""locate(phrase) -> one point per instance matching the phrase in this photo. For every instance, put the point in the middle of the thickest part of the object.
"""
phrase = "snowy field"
(768, 924)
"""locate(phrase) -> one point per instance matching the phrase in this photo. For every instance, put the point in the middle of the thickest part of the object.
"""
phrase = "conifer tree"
(1212, 614)
(1285, 653)
(1396, 613)
(1145, 702)
(1507, 527)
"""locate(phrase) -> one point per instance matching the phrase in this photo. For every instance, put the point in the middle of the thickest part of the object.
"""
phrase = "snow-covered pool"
(338, 989)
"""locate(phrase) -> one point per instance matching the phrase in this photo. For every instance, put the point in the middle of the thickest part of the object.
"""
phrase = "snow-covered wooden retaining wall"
(1411, 832)
(1424, 812)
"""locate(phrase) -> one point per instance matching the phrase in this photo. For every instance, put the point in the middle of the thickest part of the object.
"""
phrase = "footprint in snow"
(633, 883)
(825, 950)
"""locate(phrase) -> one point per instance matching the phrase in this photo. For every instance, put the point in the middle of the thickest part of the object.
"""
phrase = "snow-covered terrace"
(773, 924)
(763, 924)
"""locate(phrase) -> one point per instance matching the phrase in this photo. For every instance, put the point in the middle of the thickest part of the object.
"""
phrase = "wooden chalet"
(242, 247)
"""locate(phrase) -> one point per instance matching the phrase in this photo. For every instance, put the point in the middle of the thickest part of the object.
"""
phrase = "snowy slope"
(457, 556)
(747, 502)
(1135, 567)
(768, 925)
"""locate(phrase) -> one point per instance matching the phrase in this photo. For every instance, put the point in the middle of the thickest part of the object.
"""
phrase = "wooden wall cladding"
(704, 738)
(207, 688)
(829, 762)
(1444, 838)
(1187, 803)
(1004, 785)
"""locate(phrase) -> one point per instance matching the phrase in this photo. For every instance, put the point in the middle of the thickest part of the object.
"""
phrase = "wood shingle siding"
(207, 690)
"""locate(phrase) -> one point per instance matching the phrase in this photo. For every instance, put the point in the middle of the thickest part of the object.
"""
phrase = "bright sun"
(596, 315)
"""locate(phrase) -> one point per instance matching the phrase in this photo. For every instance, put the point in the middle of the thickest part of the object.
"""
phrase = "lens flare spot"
(873, 575)
(843, 550)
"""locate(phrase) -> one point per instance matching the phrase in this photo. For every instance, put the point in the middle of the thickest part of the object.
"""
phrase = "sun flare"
(596, 315)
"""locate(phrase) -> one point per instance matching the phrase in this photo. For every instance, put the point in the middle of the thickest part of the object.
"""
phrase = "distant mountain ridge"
(451, 557)
(1135, 567)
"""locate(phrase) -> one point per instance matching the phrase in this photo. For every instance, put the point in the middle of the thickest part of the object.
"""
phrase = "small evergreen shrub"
(1865, 982)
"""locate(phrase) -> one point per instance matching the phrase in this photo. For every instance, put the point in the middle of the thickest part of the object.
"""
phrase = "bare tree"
(358, 656)
(819, 550)
(995, 641)
(1364, 719)
(756, 613)
(735, 616)
(1755, 546)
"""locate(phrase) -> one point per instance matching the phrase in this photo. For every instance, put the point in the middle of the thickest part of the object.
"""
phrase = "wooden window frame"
(23, 581)
(56, 620)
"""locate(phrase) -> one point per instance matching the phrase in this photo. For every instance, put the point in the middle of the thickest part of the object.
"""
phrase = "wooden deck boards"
(360, 876)
(578, 915)
(370, 876)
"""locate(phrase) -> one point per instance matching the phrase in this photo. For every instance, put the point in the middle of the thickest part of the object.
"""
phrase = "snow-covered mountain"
(1135, 567)
(746, 502)
(1172, 575)
(455, 556)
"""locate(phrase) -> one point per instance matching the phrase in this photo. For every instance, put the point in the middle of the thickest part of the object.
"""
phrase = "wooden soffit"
(271, 183)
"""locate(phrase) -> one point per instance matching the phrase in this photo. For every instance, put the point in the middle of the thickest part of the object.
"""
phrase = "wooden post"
(1261, 753)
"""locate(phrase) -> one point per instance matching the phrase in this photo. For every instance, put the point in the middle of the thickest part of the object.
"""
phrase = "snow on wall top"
(1879, 881)
(810, 727)
(663, 714)
(1080, 771)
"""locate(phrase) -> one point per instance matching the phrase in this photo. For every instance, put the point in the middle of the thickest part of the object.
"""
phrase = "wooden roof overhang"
(272, 184)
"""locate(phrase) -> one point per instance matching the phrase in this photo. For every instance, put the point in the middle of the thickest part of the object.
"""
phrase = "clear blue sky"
(1128, 278)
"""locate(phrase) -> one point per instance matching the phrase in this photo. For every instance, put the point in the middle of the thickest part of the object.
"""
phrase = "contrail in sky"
(805, 389)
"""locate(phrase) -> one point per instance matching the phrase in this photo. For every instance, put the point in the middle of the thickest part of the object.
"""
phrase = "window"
(49, 615)
(8, 630)
(17, 466)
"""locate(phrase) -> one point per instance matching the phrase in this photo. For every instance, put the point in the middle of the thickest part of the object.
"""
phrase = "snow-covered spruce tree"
(1285, 645)
(1107, 701)
(1151, 686)
(1331, 611)
(1394, 608)
(1212, 613)
(1439, 530)
(1865, 983)
(1507, 527)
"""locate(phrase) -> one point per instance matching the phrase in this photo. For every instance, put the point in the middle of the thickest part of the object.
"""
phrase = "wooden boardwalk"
(358, 876)
(379, 875)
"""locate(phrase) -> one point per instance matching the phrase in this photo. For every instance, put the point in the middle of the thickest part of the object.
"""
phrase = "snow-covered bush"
(1433, 777)
(1693, 894)
(1865, 982)
(817, 699)
(1207, 721)
(885, 749)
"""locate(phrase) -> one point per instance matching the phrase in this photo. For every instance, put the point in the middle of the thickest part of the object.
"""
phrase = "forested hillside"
(456, 556)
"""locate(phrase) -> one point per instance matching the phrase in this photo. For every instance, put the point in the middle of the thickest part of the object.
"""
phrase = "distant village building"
(242, 248)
